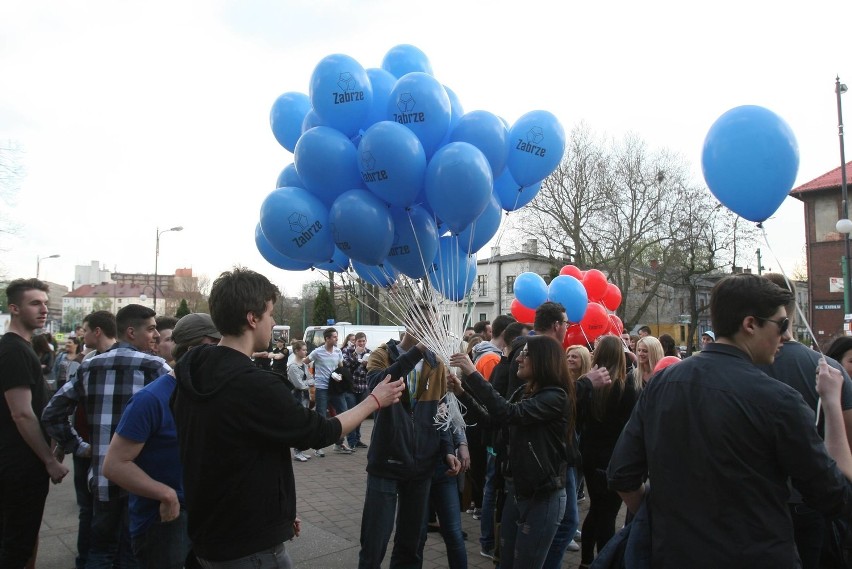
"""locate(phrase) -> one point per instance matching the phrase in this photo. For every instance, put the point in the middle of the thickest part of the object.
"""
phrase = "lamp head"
(844, 226)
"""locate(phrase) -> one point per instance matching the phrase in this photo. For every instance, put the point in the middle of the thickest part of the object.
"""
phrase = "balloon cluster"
(586, 295)
(390, 173)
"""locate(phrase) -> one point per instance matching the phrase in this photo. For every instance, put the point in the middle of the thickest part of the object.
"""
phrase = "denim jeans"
(489, 495)
(163, 545)
(23, 493)
(110, 536)
(567, 527)
(377, 521)
(273, 558)
(324, 397)
(444, 498)
(352, 399)
(84, 503)
(528, 527)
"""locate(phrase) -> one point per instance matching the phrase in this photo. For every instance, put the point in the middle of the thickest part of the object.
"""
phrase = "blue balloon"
(570, 293)
(289, 177)
(458, 184)
(382, 275)
(403, 59)
(530, 289)
(311, 120)
(750, 161)
(457, 110)
(485, 131)
(382, 83)
(393, 163)
(512, 195)
(421, 103)
(339, 263)
(327, 162)
(415, 241)
(362, 226)
(286, 117)
(341, 93)
(483, 228)
(536, 146)
(296, 224)
(453, 272)
(273, 257)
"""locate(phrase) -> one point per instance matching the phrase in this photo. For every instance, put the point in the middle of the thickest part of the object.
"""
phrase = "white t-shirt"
(324, 363)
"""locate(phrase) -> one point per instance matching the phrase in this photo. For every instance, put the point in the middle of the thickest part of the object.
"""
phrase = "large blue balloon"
(362, 227)
(403, 59)
(750, 161)
(286, 117)
(420, 102)
(458, 184)
(415, 241)
(339, 263)
(312, 119)
(382, 83)
(571, 294)
(487, 132)
(289, 177)
(341, 93)
(453, 272)
(392, 163)
(273, 257)
(327, 162)
(530, 289)
(382, 275)
(296, 224)
(536, 145)
(512, 195)
(483, 228)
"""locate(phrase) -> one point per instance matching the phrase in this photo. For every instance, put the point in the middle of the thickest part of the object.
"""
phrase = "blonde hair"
(655, 354)
(585, 361)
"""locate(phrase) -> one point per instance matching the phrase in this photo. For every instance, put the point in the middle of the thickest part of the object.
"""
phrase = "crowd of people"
(183, 434)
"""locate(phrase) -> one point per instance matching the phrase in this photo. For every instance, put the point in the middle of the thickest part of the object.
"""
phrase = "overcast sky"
(137, 115)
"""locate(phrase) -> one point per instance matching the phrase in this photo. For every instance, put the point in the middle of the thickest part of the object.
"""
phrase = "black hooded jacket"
(236, 424)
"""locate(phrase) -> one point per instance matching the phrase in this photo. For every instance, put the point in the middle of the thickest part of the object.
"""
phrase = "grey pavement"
(330, 497)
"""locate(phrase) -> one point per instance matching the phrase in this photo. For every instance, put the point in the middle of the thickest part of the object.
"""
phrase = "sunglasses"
(783, 324)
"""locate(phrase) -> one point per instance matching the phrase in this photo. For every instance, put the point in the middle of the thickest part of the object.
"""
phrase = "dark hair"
(736, 297)
(166, 323)
(132, 316)
(513, 331)
(359, 335)
(549, 368)
(481, 326)
(839, 347)
(499, 325)
(547, 315)
(237, 293)
(609, 353)
(474, 340)
(784, 284)
(40, 343)
(645, 329)
(103, 319)
(668, 344)
(16, 289)
(328, 333)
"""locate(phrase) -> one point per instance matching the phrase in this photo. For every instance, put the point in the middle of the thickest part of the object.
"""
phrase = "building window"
(510, 284)
(483, 317)
(482, 284)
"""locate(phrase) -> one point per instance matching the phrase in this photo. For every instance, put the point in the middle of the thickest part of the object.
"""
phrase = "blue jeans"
(567, 527)
(273, 558)
(444, 497)
(377, 521)
(163, 545)
(324, 397)
(84, 503)
(352, 399)
(489, 501)
(528, 527)
(110, 536)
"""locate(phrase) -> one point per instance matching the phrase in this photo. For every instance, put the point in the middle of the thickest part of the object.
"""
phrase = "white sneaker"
(342, 449)
(300, 456)
(319, 452)
(573, 546)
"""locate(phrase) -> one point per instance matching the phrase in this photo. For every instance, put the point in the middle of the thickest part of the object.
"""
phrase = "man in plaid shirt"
(104, 384)
(355, 358)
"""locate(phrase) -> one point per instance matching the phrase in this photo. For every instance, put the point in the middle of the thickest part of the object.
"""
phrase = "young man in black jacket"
(235, 425)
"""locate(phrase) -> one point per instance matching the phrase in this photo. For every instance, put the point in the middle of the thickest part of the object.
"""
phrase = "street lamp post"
(40, 259)
(839, 89)
(157, 258)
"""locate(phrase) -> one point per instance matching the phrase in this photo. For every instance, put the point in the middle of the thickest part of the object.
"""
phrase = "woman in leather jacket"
(537, 422)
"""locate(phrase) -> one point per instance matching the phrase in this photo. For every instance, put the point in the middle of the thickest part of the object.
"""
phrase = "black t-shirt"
(19, 367)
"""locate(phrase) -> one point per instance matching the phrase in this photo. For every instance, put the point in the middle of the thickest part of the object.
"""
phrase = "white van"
(376, 335)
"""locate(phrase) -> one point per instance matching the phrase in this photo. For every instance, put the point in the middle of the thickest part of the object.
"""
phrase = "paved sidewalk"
(330, 496)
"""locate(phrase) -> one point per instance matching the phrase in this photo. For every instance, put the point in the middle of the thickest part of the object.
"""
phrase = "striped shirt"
(104, 385)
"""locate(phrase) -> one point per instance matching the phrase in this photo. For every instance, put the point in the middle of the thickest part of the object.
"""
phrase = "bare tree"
(11, 174)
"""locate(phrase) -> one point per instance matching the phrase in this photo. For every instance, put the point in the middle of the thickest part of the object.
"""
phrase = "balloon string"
(799, 310)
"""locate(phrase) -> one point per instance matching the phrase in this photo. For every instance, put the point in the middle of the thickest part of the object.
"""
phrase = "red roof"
(827, 181)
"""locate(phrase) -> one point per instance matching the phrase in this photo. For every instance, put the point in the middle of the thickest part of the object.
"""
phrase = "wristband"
(377, 401)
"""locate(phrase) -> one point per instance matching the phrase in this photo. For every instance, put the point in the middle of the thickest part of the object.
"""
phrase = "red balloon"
(572, 271)
(666, 362)
(596, 321)
(612, 297)
(522, 313)
(616, 325)
(595, 283)
(574, 336)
